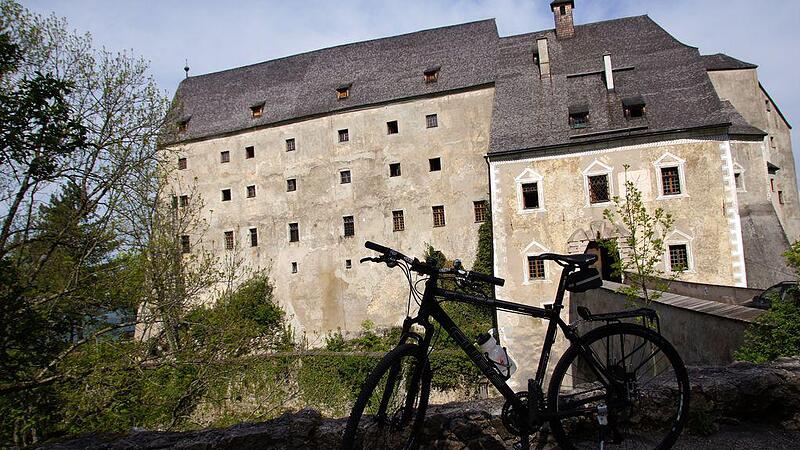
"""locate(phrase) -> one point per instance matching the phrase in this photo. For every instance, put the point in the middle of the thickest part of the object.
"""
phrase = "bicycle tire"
(629, 426)
(387, 431)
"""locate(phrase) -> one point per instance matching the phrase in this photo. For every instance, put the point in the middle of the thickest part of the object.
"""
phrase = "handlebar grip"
(487, 278)
(377, 247)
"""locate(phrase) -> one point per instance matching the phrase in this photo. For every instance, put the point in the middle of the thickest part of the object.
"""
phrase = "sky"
(217, 35)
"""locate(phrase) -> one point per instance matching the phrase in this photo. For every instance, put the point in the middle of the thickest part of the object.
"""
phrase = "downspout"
(495, 324)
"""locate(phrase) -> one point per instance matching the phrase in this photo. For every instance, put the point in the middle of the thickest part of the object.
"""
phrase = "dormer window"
(343, 92)
(431, 74)
(579, 116)
(183, 125)
(634, 107)
(257, 110)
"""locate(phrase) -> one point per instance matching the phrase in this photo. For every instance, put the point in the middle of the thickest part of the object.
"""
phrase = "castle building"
(411, 140)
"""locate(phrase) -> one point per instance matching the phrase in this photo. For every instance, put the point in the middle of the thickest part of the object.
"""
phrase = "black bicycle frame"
(552, 313)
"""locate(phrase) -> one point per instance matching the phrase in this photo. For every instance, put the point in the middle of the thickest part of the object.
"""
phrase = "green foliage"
(644, 245)
(775, 333)
(484, 260)
(793, 257)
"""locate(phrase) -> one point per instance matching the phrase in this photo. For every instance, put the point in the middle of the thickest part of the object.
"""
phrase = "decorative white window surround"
(529, 176)
(739, 170)
(668, 160)
(677, 237)
(594, 169)
(535, 249)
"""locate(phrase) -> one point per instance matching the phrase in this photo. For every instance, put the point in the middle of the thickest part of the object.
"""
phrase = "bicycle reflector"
(583, 280)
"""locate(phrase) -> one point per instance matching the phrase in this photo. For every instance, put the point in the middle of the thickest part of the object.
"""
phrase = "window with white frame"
(597, 183)
(535, 270)
(670, 176)
(738, 177)
(678, 252)
(530, 192)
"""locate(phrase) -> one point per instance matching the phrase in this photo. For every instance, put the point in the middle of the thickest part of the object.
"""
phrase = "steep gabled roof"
(305, 85)
(721, 61)
(531, 112)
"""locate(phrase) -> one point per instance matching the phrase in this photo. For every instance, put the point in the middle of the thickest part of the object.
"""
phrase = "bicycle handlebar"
(427, 269)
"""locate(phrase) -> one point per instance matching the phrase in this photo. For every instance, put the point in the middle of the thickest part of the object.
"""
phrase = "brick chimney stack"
(562, 12)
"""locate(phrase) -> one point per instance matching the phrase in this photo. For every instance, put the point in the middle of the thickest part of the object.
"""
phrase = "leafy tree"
(642, 249)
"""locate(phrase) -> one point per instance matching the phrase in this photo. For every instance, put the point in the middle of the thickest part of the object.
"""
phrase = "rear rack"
(648, 316)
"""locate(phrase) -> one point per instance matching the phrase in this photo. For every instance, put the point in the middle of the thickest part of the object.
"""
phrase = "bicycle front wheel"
(625, 388)
(390, 409)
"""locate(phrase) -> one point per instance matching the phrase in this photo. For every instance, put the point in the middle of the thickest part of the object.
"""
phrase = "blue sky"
(217, 35)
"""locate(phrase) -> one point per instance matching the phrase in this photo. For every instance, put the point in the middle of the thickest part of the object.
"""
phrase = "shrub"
(776, 332)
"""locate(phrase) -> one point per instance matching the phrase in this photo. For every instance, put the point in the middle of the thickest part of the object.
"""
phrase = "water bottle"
(496, 354)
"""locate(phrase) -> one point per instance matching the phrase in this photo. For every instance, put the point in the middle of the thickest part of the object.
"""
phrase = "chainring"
(513, 419)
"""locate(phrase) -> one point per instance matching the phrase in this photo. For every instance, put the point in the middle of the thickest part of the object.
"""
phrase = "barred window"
(345, 176)
(394, 170)
(184, 201)
(253, 237)
(185, 244)
(251, 191)
(225, 156)
(294, 232)
(535, 268)
(229, 240)
(290, 145)
(480, 211)
(678, 257)
(349, 226)
(598, 189)
(670, 181)
(398, 222)
(182, 164)
(438, 216)
(530, 195)
(344, 135)
(431, 121)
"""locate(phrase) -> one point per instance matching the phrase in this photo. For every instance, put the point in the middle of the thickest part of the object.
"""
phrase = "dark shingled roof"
(531, 112)
(721, 61)
(305, 85)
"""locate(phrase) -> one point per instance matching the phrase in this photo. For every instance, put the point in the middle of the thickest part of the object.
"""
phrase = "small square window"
(431, 121)
(349, 226)
(226, 195)
(535, 268)
(530, 195)
(392, 128)
(678, 257)
(249, 152)
(398, 222)
(579, 119)
(184, 201)
(185, 244)
(670, 181)
(294, 232)
(291, 185)
(394, 170)
(438, 216)
(342, 92)
(229, 240)
(348, 263)
(480, 211)
(290, 145)
(345, 177)
(251, 191)
(431, 75)
(344, 135)
(225, 156)
(598, 189)
(435, 164)
(182, 164)
(253, 237)
(256, 111)
(294, 267)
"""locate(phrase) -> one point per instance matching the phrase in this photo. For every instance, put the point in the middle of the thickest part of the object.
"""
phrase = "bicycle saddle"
(579, 260)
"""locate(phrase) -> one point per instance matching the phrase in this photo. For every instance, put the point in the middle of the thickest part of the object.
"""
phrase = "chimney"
(562, 12)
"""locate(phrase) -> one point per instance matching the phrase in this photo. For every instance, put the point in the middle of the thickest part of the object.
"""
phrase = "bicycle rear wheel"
(636, 397)
(390, 409)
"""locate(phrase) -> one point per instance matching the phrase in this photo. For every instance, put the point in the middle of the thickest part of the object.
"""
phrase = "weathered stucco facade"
(324, 294)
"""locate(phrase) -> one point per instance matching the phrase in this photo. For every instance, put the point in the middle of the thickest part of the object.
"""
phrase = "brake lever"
(369, 259)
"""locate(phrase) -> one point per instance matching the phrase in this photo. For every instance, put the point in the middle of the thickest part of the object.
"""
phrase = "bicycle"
(595, 391)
